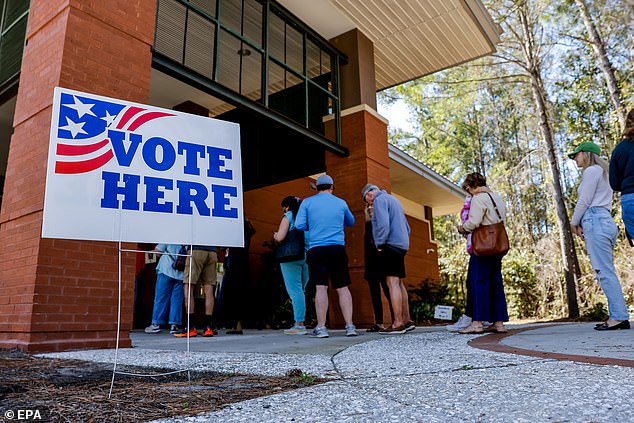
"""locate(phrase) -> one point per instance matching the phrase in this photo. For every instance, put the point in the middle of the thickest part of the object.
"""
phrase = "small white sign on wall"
(121, 171)
(443, 312)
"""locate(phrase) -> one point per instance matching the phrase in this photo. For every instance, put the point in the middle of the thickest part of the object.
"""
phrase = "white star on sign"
(109, 118)
(73, 127)
(81, 108)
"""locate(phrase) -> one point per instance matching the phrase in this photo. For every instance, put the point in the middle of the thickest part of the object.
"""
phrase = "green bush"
(424, 299)
(520, 285)
(597, 313)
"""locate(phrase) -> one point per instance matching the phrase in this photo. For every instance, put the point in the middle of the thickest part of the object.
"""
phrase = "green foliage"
(597, 313)
(520, 285)
(424, 299)
(480, 116)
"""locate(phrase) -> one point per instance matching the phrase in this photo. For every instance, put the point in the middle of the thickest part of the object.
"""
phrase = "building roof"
(422, 185)
(412, 38)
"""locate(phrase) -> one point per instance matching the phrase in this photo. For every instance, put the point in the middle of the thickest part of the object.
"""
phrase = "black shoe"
(625, 324)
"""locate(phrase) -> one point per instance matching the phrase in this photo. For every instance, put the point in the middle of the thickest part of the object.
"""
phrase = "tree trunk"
(569, 254)
(601, 56)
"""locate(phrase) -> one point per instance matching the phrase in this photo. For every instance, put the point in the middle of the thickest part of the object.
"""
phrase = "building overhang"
(421, 185)
(412, 38)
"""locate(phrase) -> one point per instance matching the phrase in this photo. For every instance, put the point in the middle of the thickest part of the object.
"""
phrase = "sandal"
(498, 327)
(374, 328)
(472, 328)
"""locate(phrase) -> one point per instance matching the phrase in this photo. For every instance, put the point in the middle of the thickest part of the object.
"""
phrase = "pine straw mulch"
(77, 391)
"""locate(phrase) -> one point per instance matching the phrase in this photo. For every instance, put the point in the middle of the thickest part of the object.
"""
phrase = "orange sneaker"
(184, 333)
(208, 332)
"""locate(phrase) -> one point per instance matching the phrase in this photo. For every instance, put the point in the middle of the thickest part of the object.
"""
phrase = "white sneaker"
(319, 332)
(351, 330)
(462, 323)
(153, 329)
(296, 330)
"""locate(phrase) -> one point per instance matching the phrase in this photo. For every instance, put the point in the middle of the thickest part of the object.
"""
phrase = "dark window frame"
(329, 92)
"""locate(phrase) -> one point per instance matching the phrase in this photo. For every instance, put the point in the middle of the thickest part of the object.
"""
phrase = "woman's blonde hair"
(590, 159)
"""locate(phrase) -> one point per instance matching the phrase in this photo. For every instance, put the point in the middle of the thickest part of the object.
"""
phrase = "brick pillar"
(364, 133)
(60, 294)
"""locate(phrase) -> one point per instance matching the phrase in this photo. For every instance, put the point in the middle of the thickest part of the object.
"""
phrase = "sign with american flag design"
(121, 171)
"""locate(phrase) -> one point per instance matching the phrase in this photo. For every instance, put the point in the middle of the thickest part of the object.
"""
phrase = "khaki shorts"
(203, 267)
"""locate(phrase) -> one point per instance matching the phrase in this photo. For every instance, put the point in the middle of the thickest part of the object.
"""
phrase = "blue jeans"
(295, 275)
(599, 233)
(627, 209)
(168, 295)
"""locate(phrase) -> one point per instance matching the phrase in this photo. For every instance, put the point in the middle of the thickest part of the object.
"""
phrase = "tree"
(601, 55)
(511, 116)
(530, 48)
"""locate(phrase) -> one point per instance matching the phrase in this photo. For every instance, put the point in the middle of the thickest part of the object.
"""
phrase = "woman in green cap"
(593, 223)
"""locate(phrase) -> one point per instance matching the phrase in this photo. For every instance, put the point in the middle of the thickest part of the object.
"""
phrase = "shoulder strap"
(291, 221)
(495, 206)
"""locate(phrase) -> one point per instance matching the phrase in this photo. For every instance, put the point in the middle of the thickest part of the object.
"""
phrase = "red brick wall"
(421, 263)
(366, 137)
(63, 294)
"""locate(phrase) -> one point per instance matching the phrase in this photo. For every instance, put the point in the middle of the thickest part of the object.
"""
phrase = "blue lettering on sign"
(192, 151)
(124, 157)
(153, 194)
(189, 193)
(122, 191)
(216, 162)
(150, 154)
(221, 201)
(112, 189)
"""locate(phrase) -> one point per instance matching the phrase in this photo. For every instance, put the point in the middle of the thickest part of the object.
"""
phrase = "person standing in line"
(391, 237)
(168, 294)
(203, 267)
(592, 222)
(372, 274)
(466, 319)
(622, 174)
(295, 273)
(324, 215)
(235, 290)
(485, 272)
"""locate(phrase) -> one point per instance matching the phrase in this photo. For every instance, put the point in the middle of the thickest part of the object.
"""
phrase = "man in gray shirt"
(391, 236)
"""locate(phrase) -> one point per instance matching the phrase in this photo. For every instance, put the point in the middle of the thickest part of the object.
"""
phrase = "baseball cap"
(586, 146)
(324, 180)
(367, 188)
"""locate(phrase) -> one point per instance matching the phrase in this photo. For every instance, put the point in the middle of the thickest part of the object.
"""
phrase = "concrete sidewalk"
(567, 339)
(429, 375)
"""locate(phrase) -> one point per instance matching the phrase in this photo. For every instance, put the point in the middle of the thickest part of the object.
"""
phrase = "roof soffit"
(412, 38)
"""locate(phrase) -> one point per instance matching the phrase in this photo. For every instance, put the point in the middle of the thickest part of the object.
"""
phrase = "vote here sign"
(121, 171)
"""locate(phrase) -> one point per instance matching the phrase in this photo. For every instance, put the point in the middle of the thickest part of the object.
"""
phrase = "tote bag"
(292, 247)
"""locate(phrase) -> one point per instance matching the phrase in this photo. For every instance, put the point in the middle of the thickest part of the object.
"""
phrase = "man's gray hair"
(368, 188)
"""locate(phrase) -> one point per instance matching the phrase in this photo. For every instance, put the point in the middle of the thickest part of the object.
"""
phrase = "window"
(258, 50)
(13, 20)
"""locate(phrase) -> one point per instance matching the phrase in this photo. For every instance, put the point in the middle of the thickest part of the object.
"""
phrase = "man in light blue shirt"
(325, 216)
(168, 295)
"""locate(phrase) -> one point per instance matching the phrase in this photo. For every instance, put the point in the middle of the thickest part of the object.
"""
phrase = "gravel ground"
(421, 377)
